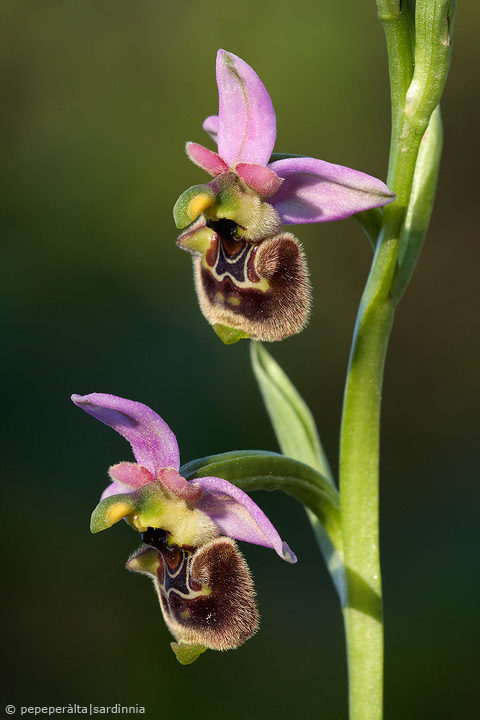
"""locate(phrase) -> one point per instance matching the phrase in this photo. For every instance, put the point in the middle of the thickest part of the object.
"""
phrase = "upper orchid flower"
(249, 276)
(203, 583)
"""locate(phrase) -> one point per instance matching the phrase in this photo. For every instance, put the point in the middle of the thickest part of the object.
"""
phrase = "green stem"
(359, 463)
(359, 456)
(419, 57)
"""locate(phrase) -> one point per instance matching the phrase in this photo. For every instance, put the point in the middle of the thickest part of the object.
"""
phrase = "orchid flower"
(251, 278)
(188, 530)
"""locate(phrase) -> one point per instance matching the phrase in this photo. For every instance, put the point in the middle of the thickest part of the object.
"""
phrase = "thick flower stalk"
(187, 528)
(251, 277)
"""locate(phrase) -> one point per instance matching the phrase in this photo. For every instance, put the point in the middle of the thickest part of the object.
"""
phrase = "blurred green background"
(98, 99)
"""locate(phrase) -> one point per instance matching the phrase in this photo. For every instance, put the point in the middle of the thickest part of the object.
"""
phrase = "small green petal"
(110, 510)
(191, 204)
(187, 654)
(229, 335)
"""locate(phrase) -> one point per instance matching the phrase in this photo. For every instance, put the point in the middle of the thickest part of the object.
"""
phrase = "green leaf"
(290, 416)
(421, 204)
(298, 438)
(433, 53)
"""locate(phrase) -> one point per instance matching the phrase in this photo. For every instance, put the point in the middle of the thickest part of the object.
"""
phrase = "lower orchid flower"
(251, 278)
(187, 528)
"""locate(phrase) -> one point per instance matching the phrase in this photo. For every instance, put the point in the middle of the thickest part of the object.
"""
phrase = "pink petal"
(208, 160)
(317, 191)
(264, 181)
(153, 443)
(247, 125)
(178, 485)
(210, 126)
(237, 516)
(131, 475)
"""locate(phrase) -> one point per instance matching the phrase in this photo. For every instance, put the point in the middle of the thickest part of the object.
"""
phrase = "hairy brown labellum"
(259, 288)
(206, 595)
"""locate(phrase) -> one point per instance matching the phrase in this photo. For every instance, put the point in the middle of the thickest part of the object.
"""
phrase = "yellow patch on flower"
(117, 512)
(198, 204)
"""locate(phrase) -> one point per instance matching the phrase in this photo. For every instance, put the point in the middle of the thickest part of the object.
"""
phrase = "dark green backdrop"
(99, 98)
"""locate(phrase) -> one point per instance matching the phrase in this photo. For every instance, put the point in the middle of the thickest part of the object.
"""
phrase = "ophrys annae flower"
(188, 530)
(251, 278)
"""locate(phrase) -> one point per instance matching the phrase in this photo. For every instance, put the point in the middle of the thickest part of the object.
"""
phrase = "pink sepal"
(153, 443)
(114, 489)
(210, 126)
(246, 118)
